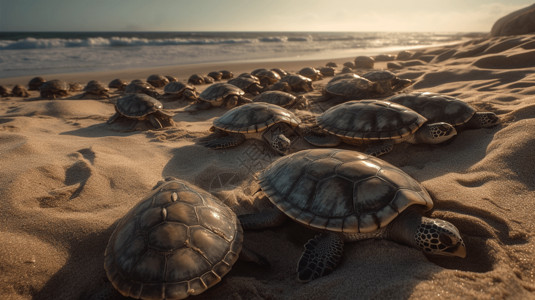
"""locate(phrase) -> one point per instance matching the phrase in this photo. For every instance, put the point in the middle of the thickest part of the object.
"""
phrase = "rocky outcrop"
(518, 22)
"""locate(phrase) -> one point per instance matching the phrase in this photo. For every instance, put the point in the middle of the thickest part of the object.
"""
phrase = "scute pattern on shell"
(370, 120)
(176, 242)
(279, 98)
(340, 190)
(436, 107)
(255, 117)
(137, 105)
(349, 87)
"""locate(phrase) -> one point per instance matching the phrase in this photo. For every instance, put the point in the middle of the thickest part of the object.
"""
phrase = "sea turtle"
(331, 64)
(171, 78)
(196, 79)
(268, 77)
(263, 121)
(248, 85)
(118, 84)
(157, 80)
(35, 83)
(19, 91)
(216, 75)
(140, 86)
(380, 125)
(387, 81)
(364, 62)
(279, 86)
(327, 71)
(177, 90)
(54, 88)
(280, 71)
(177, 241)
(208, 79)
(349, 196)
(349, 64)
(259, 70)
(352, 88)
(4, 91)
(312, 73)
(346, 70)
(96, 88)
(282, 99)
(441, 108)
(298, 83)
(140, 111)
(219, 94)
(226, 74)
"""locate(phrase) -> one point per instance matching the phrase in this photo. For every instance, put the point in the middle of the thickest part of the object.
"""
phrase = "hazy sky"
(263, 15)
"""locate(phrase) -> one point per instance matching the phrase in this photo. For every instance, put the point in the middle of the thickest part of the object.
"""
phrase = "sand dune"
(67, 176)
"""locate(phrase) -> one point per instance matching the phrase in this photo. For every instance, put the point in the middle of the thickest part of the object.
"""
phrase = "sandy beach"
(67, 177)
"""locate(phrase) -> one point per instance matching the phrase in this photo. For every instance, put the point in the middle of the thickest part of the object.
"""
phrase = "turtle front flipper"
(482, 120)
(155, 122)
(221, 140)
(380, 149)
(321, 256)
(113, 118)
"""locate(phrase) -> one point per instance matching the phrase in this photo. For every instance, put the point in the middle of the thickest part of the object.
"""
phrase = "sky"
(254, 15)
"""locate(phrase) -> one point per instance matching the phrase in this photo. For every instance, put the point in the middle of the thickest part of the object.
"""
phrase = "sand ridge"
(67, 177)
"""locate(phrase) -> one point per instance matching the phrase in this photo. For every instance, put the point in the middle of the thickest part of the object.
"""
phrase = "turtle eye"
(445, 239)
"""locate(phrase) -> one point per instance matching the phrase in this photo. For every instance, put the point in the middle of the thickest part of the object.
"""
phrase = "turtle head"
(190, 94)
(435, 133)
(439, 237)
(281, 144)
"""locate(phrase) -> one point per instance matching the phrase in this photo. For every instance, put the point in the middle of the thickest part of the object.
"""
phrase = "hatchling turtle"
(311, 73)
(216, 75)
(139, 86)
(349, 64)
(262, 121)
(364, 62)
(259, 70)
(248, 85)
(331, 64)
(171, 78)
(226, 74)
(280, 86)
(248, 75)
(96, 88)
(380, 125)
(4, 91)
(441, 108)
(54, 88)
(117, 84)
(196, 79)
(387, 81)
(346, 70)
(268, 77)
(140, 111)
(349, 196)
(177, 241)
(19, 91)
(280, 71)
(35, 83)
(327, 71)
(282, 99)
(177, 90)
(298, 83)
(157, 80)
(352, 88)
(208, 79)
(219, 94)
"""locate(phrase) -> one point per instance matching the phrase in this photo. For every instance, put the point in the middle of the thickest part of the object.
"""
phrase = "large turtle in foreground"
(380, 125)
(349, 196)
(262, 121)
(140, 111)
(176, 242)
(443, 108)
(220, 94)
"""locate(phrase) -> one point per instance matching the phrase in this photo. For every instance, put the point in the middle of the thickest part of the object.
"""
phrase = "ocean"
(38, 53)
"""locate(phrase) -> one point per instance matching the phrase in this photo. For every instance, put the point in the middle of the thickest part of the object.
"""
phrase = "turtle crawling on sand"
(97, 89)
(140, 86)
(53, 89)
(298, 83)
(349, 196)
(117, 84)
(157, 80)
(178, 90)
(262, 121)
(219, 94)
(282, 99)
(176, 242)
(352, 88)
(387, 81)
(380, 125)
(442, 108)
(20, 91)
(35, 83)
(140, 111)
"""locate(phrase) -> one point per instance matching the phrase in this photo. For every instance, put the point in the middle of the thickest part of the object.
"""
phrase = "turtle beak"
(458, 250)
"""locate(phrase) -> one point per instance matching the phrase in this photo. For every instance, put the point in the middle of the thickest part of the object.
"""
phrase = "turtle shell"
(117, 83)
(279, 98)
(178, 241)
(353, 87)
(298, 83)
(255, 117)
(157, 80)
(137, 105)
(35, 83)
(340, 190)
(311, 73)
(139, 86)
(243, 82)
(176, 87)
(54, 88)
(370, 120)
(95, 87)
(380, 75)
(436, 107)
(219, 91)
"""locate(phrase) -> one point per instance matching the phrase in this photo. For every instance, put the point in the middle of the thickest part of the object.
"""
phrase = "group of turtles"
(180, 240)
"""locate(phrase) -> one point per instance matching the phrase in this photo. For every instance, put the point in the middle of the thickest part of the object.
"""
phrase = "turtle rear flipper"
(321, 256)
(220, 140)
